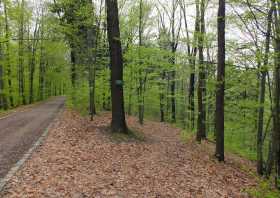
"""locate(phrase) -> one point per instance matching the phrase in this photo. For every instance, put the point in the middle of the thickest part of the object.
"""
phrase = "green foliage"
(186, 136)
(78, 98)
(264, 190)
(42, 47)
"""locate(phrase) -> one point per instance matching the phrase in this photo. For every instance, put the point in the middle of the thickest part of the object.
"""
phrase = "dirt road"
(19, 131)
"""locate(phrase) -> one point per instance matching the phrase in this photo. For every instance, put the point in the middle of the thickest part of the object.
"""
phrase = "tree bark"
(3, 100)
(161, 97)
(192, 65)
(2, 95)
(262, 98)
(32, 63)
(116, 61)
(42, 65)
(174, 45)
(21, 56)
(8, 60)
(220, 90)
(201, 118)
(276, 104)
(140, 73)
(91, 45)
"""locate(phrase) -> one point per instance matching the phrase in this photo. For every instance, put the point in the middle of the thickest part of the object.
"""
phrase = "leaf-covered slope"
(81, 159)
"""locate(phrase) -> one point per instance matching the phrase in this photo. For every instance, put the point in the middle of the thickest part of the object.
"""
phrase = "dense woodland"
(211, 68)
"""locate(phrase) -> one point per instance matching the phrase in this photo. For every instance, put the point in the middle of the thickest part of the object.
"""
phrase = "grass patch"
(264, 190)
(234, 149)
(186, 136)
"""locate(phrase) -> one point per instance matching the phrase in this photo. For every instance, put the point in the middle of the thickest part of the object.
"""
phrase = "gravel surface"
(20, 130)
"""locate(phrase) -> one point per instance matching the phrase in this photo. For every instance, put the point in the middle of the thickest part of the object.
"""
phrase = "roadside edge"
(28, 154)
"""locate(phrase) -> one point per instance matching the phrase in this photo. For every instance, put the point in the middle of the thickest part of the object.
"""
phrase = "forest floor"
(81, 159)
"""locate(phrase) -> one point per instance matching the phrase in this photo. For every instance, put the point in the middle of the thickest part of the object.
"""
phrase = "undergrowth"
(264, 190)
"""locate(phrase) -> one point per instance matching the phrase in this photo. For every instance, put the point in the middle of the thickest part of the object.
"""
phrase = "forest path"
(81, 159)
(20, 130)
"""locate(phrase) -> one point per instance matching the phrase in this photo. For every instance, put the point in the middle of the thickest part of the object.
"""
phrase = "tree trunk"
(174, 44)
(3, 101)
(8, 60)
(91, 74)
(91, 44)
(116, 61)
(2, 95)
(173, 92)
(161, 97)
(276, 111)
(129, 111)
(192, 64)
(42, 66)
(32, 48)
(220, 90)
(191, 95)
(201, 118)
(73, 66)
(21, 57)
(190, 102)
(262, 97)
(276, 104)
(140, 77)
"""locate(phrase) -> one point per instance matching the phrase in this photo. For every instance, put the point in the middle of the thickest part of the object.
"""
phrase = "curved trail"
(19, 131)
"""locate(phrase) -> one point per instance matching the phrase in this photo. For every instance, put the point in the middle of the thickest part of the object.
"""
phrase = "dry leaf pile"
(79, 159)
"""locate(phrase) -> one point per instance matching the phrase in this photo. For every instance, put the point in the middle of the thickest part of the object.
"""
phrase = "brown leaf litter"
(79, 159)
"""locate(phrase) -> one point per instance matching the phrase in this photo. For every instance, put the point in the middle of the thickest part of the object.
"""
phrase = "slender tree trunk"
(73, 66)
(276, 112)
(174, 44)
(167, 94)
(31, 77)
(21, 56)
(276, 104)
(141, 80)
(192, 64)
(91, 44)
(262, 98)
(183, 104)
(270, 157)
(8, 60)
(104, 99)
(42, 66)
(130, 92)
(96, 46)
(161, 97)
(173, 92)
(201, 118)
(3, 100)
(191, 81)
(220, 92)
(191, 95)
(32, 63)
(91, 73)
(2, 95)
(116, 60)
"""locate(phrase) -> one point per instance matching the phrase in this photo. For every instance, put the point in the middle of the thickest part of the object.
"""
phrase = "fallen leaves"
(80, 160)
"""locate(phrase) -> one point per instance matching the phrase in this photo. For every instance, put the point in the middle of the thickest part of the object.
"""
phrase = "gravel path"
(19, 131)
